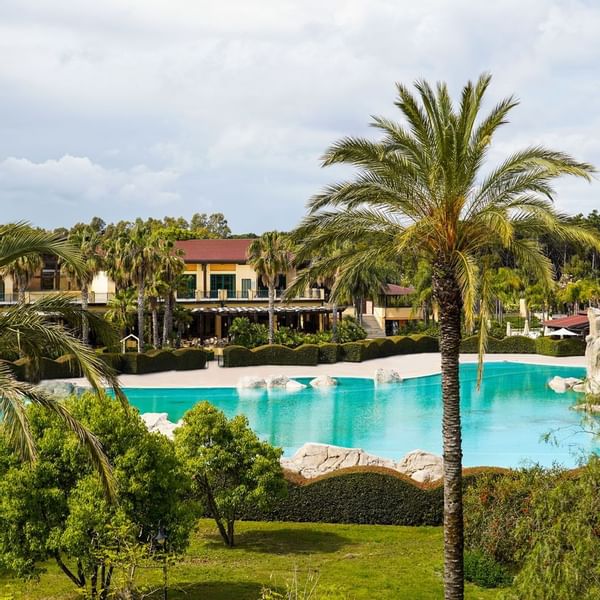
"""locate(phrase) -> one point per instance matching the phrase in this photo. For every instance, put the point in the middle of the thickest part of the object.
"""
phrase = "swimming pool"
(503, 422)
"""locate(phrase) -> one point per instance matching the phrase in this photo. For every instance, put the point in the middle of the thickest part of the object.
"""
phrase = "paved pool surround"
(407, 365)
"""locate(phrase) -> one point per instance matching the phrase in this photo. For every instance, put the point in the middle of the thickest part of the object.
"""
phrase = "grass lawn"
(360, 562)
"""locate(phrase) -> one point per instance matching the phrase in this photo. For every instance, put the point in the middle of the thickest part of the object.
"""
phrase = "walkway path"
(407, 365)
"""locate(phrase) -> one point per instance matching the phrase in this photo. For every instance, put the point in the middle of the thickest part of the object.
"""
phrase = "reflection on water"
(502, 422)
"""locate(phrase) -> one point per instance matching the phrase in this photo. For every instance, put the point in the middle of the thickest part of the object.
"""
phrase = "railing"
(75, 296)
(262, 295)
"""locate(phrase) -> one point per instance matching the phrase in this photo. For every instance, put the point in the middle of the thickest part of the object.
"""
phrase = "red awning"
(576, 321)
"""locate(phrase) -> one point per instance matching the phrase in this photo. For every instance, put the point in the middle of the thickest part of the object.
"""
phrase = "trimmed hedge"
(352, 351)
(426, 343)
(523, 345)
(362, 498)
(187, 359)
(569, 347)
(63, 367)
(329, 353)
(238, 356)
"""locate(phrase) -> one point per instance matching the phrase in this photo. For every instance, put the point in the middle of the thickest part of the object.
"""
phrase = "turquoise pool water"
(503, 422)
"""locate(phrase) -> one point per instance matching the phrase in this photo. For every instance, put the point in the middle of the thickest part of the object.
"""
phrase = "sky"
(122, 109)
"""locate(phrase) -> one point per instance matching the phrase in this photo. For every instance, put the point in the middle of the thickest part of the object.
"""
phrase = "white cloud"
(229, 105)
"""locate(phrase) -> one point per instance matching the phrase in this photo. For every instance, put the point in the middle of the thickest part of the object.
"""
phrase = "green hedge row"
(154, 361)
(524, 345)
(310, 354)
(361, 497)
(238, 356)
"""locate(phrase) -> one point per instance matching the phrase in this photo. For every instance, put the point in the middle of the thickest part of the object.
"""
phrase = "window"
(222, 282)
(188, 287)
(50, 274)
(263, 290)
(246, 287)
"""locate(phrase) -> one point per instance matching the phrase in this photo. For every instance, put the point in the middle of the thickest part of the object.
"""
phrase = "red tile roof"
(214, 251)
(391, 289)
(566, 322)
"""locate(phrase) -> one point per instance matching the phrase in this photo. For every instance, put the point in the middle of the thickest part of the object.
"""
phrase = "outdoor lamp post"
(160, 542)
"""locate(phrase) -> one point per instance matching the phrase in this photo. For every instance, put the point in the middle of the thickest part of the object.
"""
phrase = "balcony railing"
(75, 296)
(242, 295)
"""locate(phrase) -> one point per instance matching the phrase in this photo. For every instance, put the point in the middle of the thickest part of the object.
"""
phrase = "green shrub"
(187, 359)
(63, 367)
(569, 347)
(348, 330)
(113, 360)
(517, 344)
(371, 349)
(352, 351)
(385, 347)
(329, 353)
(426, 343)
(307, 355)
(248, 334)
(238, 356)
(362, 498)
(404, 344)
(485, 571)
(156, 361)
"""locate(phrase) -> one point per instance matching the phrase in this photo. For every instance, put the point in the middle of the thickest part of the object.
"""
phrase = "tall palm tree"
(32, 330)
(136, 257)
(269, 256)
(121, 310)
(22, 271)
(420, 190)
(170, 270)
(88, 241)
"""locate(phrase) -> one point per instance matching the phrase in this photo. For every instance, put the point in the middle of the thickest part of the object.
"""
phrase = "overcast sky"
(122, 109)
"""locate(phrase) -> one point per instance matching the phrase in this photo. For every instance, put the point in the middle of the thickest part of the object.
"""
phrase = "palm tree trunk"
(21, 285)
(155, 331)
(165, 331)
(448, 295)
(140, 313)
(271, 313)
(334, 321)
(85, 325)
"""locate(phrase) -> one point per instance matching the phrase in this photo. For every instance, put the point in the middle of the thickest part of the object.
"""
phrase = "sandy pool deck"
(407, 365)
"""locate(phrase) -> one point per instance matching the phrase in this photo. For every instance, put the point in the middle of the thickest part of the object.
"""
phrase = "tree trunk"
(166, 331)
(447, 293)
(21, 285)
(230, 536)
(155, 331)
(85, 325)
(140, 313)
(271, 312)
(334, 322)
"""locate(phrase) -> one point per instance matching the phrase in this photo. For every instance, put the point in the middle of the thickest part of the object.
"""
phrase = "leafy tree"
(215, 224)
(561, 532)
(231, 469)
(248, 334)
(269, 256)
(420, 190)
(55, 508)
(35, 331)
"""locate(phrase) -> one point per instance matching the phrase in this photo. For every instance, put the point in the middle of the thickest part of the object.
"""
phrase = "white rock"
(561, 384)
(421, 466)
(591, 408)
(323, 381)
(387, 376)
(251, 382)
(159, 423)
(59, 389)
(294, 386)
(277, 381)
(579, 387)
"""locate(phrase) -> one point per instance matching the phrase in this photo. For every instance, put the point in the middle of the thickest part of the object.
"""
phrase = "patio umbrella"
(563, 332)
(508, 329)
(526, 327)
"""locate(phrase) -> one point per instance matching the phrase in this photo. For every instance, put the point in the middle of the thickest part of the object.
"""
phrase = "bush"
(426, 343)
(352, 351)
(348, 330)
(248, 334)
(329, 353)
(517, 344)
(485, 571)
(238, 356)
(63, 367)
(113, 360)
(187, 359)
(385, 347)
(569, 347)
(361, 497)
(404, 345)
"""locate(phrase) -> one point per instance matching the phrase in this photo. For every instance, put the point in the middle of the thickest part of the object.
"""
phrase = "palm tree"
(171, 267)
(121, 310)
(87, 240)
(420, 190)
(32, 330)
(136, 257)
(22, 270)
(269, 256)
